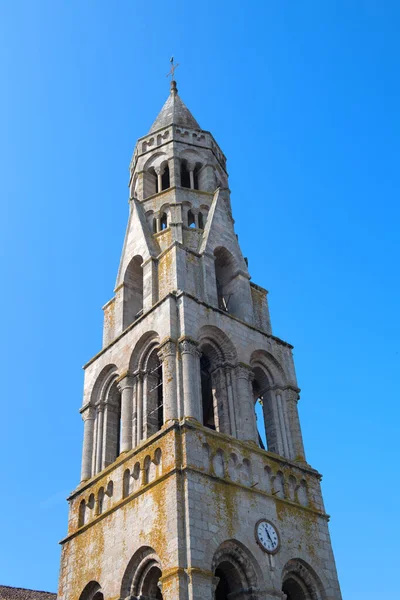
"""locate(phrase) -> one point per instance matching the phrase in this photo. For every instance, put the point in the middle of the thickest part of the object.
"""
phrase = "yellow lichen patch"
(303, 520)
(225, 498)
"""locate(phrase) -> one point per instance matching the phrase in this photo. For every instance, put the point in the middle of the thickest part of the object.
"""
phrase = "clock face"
(267, 536)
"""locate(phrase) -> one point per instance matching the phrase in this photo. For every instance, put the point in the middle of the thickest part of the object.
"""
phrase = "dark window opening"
(207, 393)
(154, 404)
(293, 590)
(222, 590)
(151, 584)
(201, 220)
(165, 182)
(185, 176)
(154, 225)
(164, 221)
(191, 219)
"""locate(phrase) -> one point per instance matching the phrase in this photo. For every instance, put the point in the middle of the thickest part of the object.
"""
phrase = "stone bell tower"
(179, 499)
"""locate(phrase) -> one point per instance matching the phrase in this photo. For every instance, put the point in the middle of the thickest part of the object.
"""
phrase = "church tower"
(179, 499)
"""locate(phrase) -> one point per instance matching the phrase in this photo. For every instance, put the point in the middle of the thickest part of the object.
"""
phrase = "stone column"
(283, 424)
(246, 428)
(231, 403)
(159, 172)
(88, 415)
(167, 356)
(292, 398)
(158, 223)
(99, 437)
(125, 386)
(190, 374)
(221, 404)
(191, 174)
(174, 171)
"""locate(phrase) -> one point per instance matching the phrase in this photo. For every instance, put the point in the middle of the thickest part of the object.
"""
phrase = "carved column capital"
(160, 170)
(88, 412)
(167, 348)
(244, 371)
(189, 346)
(126, 380)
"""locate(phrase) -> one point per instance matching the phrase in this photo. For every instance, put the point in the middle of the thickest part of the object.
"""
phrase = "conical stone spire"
(174, 112)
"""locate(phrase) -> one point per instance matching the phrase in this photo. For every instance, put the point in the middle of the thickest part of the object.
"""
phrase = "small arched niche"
(133, 291)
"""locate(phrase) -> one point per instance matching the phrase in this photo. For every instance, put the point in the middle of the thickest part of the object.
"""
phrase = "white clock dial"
(267, 536)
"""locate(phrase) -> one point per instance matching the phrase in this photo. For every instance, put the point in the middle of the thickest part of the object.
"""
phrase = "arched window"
(234, 566)
(154, 225)
(133, 291)
(259, 408)
(185, 176)
(300, 582)
(191, 219)
(142, 576)
(293, 590)
(92, 592)
(153, 401)
(165, 180)
(112, 426)
(201, 220)
(207, 392)
(164, 221)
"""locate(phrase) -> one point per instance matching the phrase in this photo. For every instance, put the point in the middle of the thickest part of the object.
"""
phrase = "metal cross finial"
(173, 67)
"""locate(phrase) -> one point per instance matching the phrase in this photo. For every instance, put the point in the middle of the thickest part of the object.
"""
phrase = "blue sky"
(303, 98)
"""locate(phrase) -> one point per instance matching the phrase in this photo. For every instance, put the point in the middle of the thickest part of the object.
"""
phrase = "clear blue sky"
(303, 98)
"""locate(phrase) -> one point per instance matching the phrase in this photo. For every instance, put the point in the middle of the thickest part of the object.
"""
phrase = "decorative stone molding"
(88, 412)
(189, 346)
(244, 371)
(126, 380)
(167, 348)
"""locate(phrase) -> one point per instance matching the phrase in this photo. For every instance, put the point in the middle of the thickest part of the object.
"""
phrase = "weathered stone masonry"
(174, 475)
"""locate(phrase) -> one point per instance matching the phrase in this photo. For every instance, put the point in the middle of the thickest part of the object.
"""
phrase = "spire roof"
(174, 112)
